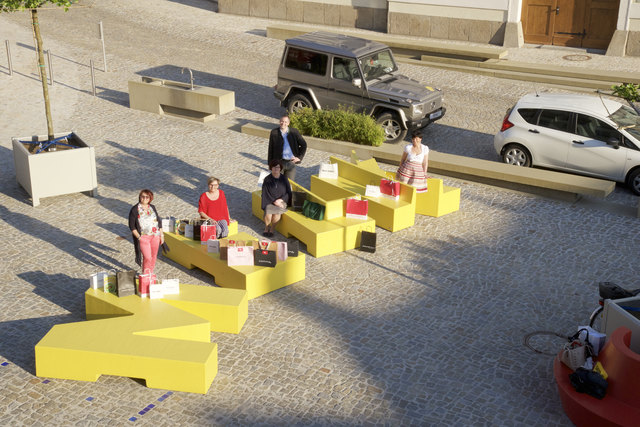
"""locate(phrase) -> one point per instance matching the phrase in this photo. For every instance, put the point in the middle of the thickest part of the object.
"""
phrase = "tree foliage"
(17, 5)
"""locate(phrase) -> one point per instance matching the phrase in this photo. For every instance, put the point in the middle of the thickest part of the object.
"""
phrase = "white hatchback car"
(574, 133)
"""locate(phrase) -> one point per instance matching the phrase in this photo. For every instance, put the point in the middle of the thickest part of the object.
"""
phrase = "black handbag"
(589, 382)
(126, 283)
(313, 210)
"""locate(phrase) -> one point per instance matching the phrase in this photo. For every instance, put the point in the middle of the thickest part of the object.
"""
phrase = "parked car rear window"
(555, 119)
(305, 60)
(530, 115)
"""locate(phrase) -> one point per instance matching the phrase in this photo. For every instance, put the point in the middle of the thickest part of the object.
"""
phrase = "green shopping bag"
(313, 210)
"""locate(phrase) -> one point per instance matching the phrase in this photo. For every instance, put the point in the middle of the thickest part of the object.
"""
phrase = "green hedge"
(341, 124)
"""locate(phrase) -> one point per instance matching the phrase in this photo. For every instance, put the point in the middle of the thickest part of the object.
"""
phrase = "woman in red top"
(213, 206)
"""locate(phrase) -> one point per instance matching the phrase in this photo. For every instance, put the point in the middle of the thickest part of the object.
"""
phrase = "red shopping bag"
(357, 209)
(207, 232)
(144, 282)
(390, 188)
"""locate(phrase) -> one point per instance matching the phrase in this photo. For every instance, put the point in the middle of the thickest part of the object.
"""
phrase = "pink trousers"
(149, 247)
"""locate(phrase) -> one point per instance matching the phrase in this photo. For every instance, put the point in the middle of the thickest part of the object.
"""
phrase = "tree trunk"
(43, 72)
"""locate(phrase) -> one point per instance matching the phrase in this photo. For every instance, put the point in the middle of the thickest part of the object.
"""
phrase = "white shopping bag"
(168, 224)
(188, 231)
(96, 280)
(156, 291)
(328, 171)
(372, 191)
(263, 175)
(171, 286)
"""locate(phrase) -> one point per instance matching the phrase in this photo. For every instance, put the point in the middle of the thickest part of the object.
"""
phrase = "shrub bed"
(341, 124)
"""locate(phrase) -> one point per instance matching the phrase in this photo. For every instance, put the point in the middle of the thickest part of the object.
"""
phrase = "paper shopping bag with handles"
(171, 286)
(224, 246)
(213, 246)
(390, 188)
(240, 255)
(368, 241)
(297, 200)
(207, 231)
(265, 253)
(96, 280)
(283, 251)
(126, 283)
(357, 209)
(293, 246)
(372, 191)
(156, 291)
(111, 282)
(328, 171)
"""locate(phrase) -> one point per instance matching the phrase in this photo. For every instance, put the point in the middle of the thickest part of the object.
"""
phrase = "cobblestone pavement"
(427, 331)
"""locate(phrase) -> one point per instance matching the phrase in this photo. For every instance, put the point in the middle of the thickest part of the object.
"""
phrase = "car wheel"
(633, 181)
(515, 154)
(297, 102)
(392, 127)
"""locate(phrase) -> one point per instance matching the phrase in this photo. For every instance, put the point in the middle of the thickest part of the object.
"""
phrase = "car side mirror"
(613, 142)
(357, 82)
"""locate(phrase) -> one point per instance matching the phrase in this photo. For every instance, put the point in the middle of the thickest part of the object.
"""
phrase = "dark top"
(134, 224)
(274, 189)
(276, 142)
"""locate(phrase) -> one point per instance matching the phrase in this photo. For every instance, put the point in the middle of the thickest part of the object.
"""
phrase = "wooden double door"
(575, 23)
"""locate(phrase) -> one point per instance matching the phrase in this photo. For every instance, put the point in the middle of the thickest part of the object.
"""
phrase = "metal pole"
(104, 54)
(6, 42)
(50, 67)
(93, 78)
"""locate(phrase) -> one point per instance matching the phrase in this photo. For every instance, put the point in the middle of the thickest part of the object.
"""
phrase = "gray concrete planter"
(53, 173)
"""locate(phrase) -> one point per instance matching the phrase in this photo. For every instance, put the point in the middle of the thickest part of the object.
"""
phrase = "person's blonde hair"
(212, 179)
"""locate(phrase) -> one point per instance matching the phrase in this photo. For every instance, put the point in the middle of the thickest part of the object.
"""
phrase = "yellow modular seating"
(165, 341)
(255, 280)
(439, 200)
(335, 233)
(392, 215)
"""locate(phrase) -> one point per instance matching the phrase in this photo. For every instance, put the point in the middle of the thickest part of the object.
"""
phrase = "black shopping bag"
(368, 241)
(297, 200)
(293, 246)
(265, 255)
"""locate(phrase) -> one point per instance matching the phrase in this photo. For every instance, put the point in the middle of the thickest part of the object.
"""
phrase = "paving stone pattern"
(427, 331)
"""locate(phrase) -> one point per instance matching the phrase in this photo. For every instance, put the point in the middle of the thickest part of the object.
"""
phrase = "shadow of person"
(82, 249)
(110, 170)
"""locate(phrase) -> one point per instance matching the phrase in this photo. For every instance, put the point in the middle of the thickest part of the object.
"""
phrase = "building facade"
(611, 25)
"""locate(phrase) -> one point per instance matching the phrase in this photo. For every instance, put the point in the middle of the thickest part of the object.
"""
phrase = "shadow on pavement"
(84, 250)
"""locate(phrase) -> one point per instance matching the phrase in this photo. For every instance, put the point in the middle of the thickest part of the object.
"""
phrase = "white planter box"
(57, 172)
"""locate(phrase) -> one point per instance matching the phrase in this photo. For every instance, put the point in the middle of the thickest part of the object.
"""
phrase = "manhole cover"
(545, 342)
(576, 57)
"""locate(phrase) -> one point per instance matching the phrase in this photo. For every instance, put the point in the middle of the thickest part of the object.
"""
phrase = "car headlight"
(417, 109)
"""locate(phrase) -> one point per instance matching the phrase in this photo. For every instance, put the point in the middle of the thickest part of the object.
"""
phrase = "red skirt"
(412, 173)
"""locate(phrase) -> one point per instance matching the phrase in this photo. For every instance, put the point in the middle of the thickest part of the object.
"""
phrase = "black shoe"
(267, 234)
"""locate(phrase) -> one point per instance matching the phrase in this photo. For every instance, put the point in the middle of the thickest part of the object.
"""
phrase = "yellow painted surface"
(439, 200)
(392, 215)
(332, 235)
(164, 341)
(255, 280)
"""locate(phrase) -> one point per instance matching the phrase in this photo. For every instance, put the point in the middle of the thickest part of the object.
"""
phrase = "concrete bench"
(334, 234)
(396, 43)
(165, 341)
(621, 404)
(392, 215)
(255, 280)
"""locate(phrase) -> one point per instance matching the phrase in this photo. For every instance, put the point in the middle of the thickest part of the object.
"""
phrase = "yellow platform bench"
(255, 280)
(334, 234)
(439, 200)
(392, 215)
(164, 341)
